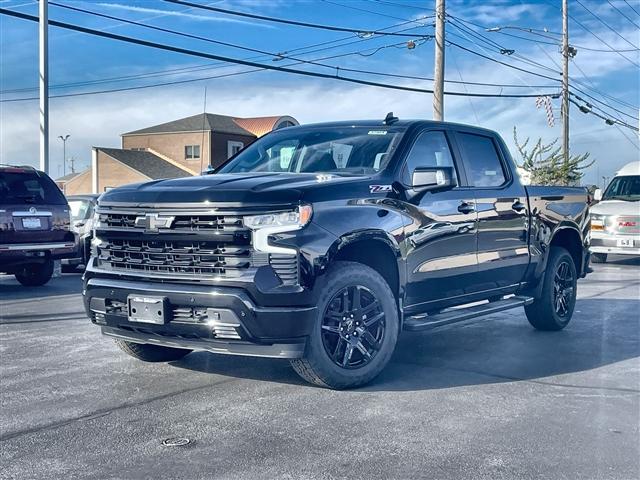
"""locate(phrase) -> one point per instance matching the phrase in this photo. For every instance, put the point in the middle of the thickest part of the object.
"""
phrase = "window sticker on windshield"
(377, 132)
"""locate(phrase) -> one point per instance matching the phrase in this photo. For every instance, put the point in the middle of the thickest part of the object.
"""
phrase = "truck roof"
(378, 123)
(632, 168)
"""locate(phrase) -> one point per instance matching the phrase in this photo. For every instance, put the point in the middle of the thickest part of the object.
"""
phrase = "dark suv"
(34, 225)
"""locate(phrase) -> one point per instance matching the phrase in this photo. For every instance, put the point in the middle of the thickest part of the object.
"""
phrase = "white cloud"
(181, 14)
(99, 120)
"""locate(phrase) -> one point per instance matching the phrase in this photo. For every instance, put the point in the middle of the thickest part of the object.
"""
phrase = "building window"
(138, 149)
(285, 124)
(233, 148)
(191, 152)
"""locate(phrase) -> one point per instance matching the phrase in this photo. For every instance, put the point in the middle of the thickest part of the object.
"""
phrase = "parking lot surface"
(494, 399)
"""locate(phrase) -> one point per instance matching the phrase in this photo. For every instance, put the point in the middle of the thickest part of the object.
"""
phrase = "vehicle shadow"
(67, 283)
(622, 260)
(503, 348)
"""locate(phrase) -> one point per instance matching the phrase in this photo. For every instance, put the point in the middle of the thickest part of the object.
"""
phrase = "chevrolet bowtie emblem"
(152, 222)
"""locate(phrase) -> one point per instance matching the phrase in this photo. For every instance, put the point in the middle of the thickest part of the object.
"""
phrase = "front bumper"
(609, 244)
(190, 313)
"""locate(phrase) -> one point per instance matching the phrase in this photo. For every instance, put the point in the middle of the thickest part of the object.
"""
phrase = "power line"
(284, 21)
(358, 9)
(625, 1)
(605, 23)
(584, 27)
(184, 51)
(217, 65)
(196, 37)
(502, 49)
(623, 14)
(580, 47)
(592, 88)
(505, 64)
(607, 120)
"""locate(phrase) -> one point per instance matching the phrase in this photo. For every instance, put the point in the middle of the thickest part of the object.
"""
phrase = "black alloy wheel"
(563, 289)
(353, 327)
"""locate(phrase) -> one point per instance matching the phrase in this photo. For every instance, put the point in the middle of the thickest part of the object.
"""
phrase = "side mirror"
(597, 195)
(432, 178)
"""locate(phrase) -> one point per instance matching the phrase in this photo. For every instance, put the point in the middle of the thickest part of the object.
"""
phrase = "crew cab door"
(440, 241)
(502, 209)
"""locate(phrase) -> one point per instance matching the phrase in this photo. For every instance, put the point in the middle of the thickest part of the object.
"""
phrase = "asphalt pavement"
(490, 400)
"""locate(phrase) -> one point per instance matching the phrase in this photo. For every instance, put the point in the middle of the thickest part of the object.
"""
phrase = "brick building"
(175, 149)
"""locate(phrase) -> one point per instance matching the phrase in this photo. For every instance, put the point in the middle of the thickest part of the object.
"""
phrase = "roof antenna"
(204, 119)
(390, 119)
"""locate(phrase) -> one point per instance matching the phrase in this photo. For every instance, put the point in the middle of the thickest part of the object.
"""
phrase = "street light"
(64, 153)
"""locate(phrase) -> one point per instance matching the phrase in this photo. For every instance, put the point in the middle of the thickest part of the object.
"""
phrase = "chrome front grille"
(174, 257)
(183, 245)
(626, 225)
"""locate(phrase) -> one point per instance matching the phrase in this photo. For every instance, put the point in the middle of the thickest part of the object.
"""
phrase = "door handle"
(466, 207)
(518, 206)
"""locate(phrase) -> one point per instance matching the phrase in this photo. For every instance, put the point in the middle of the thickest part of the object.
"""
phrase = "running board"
(427, 322)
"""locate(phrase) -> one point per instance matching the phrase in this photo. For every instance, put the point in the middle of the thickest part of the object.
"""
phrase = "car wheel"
(599, 257)
(35, 274)
(554, 309)
(151, 353)
(355, 332)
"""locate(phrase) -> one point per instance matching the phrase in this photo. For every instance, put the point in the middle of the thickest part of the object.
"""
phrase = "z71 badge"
(379, 188)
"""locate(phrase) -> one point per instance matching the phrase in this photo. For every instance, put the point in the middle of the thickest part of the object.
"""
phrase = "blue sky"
(98, 120)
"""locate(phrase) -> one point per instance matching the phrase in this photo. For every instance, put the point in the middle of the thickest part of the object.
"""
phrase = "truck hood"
(246, 188)
(616, 207)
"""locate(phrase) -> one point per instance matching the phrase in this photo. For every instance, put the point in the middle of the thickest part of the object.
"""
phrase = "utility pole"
(64, 152)
(438, 82)
(44, 84)
(72, 161)
(565, 82)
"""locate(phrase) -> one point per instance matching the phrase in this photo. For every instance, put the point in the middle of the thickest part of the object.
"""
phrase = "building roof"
(217, 123)
(262, 125)
(146, 163)
(68, 177)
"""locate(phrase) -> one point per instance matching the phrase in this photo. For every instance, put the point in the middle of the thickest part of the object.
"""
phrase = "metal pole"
(438, 83)
(44, 85)
(64, 156)
(565, 82)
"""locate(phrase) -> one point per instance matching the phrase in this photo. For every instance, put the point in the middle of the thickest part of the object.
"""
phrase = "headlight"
(272, 223)
(598, 222)
(297, 219)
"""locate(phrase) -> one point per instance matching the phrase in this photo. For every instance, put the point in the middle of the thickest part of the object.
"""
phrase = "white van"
(615, 220)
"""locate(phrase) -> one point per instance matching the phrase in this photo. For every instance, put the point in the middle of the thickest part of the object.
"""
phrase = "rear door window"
(481, 160)
(27, 187)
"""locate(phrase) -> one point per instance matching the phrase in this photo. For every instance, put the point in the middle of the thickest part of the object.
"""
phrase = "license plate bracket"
(625, 242)
(144, 309)
(31, 223)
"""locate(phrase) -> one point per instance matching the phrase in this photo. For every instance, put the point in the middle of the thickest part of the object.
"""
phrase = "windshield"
(623, 188)
(80, 209)
(19, 186)
(346, 150)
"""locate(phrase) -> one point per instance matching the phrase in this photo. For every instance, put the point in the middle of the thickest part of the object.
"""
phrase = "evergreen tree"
(546, 163)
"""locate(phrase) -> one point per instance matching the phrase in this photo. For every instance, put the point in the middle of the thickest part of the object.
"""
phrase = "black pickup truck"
(321, 243)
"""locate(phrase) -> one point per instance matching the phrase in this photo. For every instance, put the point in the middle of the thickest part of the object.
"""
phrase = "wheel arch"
(569, 238)
(376, 250)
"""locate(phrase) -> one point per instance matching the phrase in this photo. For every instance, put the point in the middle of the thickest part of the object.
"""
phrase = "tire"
(554, 309)
(599, 257)
(35, 274)
(375, 321)
(151, 353)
